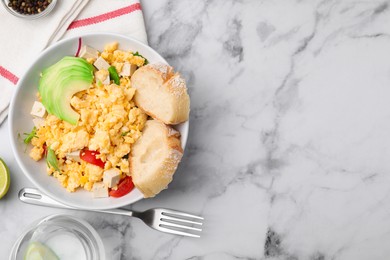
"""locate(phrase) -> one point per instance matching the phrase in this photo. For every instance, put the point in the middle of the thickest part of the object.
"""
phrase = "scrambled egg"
(109, 123)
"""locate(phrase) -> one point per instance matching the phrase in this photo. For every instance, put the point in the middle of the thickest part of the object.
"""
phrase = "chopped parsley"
(114, 75)
(30, 136)
(139, 55)
(51, 160)
(99, 83)
(125, 133)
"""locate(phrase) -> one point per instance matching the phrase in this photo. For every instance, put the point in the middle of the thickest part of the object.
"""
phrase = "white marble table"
(289, 148)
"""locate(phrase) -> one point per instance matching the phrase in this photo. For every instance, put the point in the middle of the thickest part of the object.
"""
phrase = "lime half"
(38, 251)
(4, 178)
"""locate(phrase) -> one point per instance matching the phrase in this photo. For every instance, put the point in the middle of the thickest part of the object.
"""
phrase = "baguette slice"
(161, 93)
(155, 157)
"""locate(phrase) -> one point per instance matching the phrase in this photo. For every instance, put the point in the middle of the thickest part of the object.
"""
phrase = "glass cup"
(67, 236)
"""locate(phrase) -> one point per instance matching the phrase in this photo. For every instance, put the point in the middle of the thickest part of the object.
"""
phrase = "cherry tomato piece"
(90, 157)
(124, 187)
(44, 146)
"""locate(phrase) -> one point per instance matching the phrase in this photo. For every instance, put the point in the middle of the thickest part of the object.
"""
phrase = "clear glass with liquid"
(68, 237)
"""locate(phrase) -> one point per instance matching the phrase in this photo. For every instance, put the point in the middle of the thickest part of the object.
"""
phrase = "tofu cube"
(38, 122)
(38, 110)
(101, 64)
(111, 177)
(88, 52)
(74, 156)
(99, 190)
(128, 69)
(103, 76)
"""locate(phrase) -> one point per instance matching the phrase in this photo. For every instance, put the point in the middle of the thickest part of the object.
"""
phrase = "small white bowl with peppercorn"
(29, 9)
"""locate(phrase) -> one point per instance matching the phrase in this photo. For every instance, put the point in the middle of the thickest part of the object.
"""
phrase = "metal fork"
(164, 220)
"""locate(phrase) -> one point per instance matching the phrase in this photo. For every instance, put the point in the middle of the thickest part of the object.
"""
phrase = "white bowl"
(21, 120)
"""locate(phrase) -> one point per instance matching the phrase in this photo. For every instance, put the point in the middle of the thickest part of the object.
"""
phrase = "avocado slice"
(60, 82)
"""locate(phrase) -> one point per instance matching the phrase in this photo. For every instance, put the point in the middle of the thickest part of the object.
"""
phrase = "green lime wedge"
(38, 251)
(4, 178)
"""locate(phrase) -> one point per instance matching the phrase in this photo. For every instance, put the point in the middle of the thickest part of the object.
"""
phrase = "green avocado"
(60, 82)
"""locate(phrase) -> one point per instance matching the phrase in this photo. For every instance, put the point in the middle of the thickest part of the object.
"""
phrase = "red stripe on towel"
(104, 17)
(8, 75)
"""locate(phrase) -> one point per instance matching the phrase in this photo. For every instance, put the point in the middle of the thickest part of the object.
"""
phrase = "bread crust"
(151, 183)
(166, 82)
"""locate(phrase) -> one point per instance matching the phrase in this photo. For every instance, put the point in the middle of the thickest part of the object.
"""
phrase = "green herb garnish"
(51, 159)
(99, 83)
(114, 75)
(139, 55)
(125, 133)
(30, 136)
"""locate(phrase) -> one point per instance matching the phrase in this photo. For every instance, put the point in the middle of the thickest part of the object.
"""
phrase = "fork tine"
(176, 232)
(181, 220)
(179, 226)
(178, 213)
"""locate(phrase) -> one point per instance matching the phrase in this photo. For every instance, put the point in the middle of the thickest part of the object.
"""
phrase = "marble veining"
(289, 145)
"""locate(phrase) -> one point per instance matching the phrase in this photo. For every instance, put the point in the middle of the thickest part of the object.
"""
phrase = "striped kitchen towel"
(22, 40)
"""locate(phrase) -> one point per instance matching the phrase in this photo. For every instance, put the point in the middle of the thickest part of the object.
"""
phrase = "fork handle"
(35, 197)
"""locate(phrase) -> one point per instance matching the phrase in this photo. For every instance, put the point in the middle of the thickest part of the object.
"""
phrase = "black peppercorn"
(29, 6)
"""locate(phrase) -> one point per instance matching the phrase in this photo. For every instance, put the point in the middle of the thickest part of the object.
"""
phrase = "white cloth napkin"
(22, 40)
